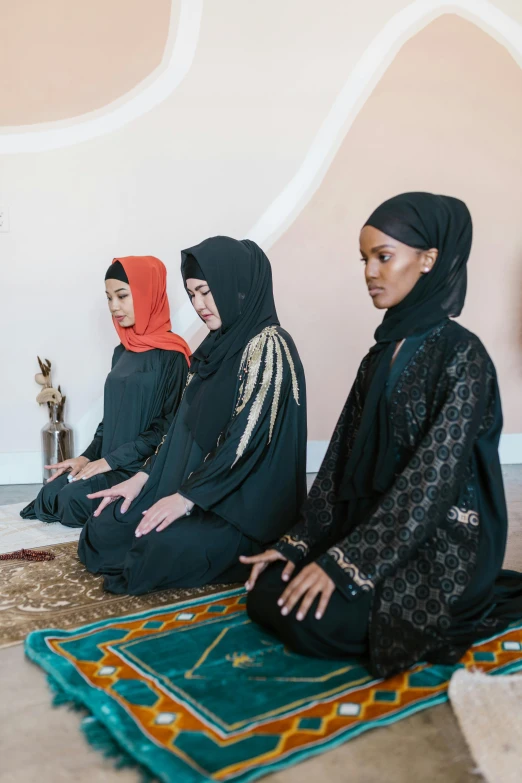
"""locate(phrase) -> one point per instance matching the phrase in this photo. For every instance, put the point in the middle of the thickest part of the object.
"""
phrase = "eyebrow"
(198, 287)
(118, 289)
(379, 247)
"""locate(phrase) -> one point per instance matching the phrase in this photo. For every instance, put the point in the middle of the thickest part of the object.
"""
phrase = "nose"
(371, 270)
(198, 303)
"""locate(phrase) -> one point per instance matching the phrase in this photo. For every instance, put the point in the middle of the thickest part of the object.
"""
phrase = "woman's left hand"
(163, 513)
(92, 469)
(308, 584)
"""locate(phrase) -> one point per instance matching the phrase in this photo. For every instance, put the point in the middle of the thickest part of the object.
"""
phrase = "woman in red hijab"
(141, 396)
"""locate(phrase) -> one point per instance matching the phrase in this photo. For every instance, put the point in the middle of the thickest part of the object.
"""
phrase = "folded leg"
(342, 632)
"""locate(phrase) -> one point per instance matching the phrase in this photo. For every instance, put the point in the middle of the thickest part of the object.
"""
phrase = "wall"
(285, 122)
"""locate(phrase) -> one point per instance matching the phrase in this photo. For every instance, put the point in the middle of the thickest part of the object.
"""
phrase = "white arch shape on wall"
(177, 59)
(360, 84)
(358, 88)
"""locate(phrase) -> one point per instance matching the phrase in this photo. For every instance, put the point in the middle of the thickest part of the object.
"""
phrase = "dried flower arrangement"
(49, 394)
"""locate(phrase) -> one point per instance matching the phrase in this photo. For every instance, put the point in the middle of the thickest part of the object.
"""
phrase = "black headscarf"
(423, 221)
(240, 279)
(191, 268)
(117, 272)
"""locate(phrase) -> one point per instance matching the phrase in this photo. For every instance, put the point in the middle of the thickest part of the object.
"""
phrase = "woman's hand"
(260, 562)
(92, 469)
(163, 513)
(129, 490)
(308, 584)
(74, 466)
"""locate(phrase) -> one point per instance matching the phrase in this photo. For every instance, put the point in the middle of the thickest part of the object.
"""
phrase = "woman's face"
(119, 297)
(203, 302)
(391, 269)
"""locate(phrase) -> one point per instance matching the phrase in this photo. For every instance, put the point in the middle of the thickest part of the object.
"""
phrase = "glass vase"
(57, 441)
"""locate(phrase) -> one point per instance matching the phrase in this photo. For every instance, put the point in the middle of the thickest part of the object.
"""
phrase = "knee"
(262, 599)
(255, 603)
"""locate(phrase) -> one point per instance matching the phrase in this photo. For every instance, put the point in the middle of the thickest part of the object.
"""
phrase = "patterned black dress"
(418, 567)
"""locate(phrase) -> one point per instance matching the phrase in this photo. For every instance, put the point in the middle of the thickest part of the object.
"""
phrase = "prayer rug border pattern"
(164, 763)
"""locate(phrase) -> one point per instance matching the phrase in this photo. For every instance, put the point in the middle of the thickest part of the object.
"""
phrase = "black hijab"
(117, 272)
(423, 221)
(240, 279)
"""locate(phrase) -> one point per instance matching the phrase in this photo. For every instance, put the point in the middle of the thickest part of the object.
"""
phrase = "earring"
(426, 270)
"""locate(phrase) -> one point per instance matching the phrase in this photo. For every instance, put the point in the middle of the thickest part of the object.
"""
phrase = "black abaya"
(236, 449)
(408, 510)
(142, 393)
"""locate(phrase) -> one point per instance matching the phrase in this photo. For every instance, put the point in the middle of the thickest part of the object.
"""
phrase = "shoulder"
(274, 337)
(172, 358)
(270, 359)
(275, 346)
(460, 357)
(461, 345)
(118, 351)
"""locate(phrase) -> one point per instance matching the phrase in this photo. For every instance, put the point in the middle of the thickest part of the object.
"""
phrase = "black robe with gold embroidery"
(247, 490)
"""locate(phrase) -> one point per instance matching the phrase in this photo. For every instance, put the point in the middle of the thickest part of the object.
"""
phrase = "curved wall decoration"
(358, 87)
(178, 58)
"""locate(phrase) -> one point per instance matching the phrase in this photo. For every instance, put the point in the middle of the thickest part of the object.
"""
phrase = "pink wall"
(446, 117)
(60, 58)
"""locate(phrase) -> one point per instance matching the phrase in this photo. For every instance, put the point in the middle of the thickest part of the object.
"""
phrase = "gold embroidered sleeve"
(261, 377)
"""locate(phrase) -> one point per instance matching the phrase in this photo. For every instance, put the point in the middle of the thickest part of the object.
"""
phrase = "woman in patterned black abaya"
(398, 551)
(230, 476)
(142, 393)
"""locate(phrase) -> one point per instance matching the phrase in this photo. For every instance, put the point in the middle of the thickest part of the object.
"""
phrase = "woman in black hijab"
(230, 475)
(398, 552)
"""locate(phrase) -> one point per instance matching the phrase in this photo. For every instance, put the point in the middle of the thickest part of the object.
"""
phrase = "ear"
(428, 259)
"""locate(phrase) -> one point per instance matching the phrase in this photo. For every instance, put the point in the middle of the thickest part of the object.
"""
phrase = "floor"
(43, 744)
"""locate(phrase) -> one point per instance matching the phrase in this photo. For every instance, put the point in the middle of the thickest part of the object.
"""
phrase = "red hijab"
(148, 283)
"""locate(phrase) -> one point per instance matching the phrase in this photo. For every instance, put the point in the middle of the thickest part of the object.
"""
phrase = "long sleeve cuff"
(343, 580)
(292, 553)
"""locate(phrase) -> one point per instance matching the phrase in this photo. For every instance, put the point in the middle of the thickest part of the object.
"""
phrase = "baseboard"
(25, 467)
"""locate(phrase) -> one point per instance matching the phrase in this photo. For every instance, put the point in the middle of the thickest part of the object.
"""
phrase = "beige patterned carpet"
(17, 533)
(60, 593)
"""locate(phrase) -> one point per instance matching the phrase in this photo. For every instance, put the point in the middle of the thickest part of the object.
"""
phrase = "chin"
(380, 304)
(213, 324)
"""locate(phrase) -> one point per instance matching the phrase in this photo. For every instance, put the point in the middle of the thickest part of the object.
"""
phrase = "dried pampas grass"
(49, 395)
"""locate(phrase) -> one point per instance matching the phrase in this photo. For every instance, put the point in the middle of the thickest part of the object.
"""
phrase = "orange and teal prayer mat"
(197, 692)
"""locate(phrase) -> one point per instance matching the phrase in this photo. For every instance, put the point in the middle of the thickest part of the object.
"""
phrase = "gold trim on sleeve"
(267, 347)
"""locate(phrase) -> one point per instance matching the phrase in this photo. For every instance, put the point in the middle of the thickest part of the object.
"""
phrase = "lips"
(375, 291)
(119, 317)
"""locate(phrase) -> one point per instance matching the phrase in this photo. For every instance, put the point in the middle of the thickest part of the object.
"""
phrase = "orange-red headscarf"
(148, 283)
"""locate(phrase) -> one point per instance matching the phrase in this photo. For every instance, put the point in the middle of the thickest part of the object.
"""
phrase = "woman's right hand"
(73, 465)
(260, 562)
(128, 490)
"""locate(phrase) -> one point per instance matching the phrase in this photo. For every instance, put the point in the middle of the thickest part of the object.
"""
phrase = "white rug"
(489, 712)
(17, 533)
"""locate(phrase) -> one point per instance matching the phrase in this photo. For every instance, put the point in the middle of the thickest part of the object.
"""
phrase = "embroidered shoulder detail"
(266, 348)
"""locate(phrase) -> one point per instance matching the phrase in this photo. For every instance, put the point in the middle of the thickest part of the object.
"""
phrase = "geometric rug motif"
(61, 593)
(197, 692)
